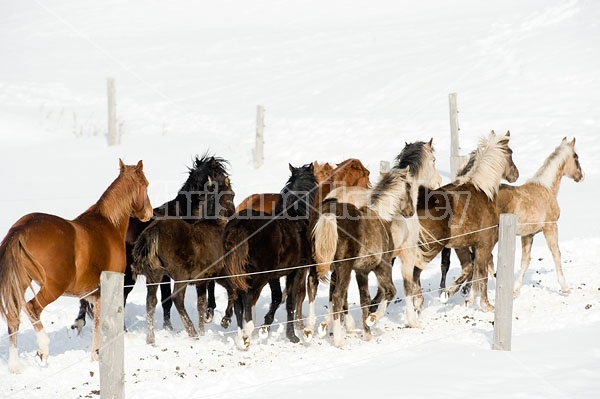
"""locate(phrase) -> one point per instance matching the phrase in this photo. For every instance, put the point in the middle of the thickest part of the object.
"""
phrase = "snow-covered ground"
(338, 79)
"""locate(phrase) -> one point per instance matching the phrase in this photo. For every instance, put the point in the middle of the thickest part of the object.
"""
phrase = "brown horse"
(351, 172)
(464, 214)
(536, 206)
(347, 238)
(67, 257)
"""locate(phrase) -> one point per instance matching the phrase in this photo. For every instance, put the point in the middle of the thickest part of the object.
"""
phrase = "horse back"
(531, 203)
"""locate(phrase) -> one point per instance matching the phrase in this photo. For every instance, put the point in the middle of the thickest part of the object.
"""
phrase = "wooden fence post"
(504, 282)
(112, 113)
(260, 138)
(454, 128)
(112, 366)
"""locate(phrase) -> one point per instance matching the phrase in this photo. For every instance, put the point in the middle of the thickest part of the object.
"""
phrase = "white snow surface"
(338, 79)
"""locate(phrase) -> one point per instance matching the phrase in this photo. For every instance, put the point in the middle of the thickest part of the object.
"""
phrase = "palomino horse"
(185, 252)
(184, 206)
(348, 238)
(419, 157)
(67, 257)
(536, 206)
(351, 172)
(263, 249)
(464, 214)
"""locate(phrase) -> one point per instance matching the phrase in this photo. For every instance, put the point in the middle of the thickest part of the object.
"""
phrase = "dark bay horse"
(536, 205)
(347, 238)
(270, 245)
(184, 206)
(189, 253)
(66, 257)
(464, 214)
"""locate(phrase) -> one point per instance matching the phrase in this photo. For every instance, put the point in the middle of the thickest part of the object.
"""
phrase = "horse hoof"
(225, 322)
(78, 325)
(322, 329)
(167, 325)
(42, 359)
(294, 339)
(515, 294)
(308, 336)
(371, 320)
(263, 333)
(444, 297)
(486, 307)
(209, 315)
(565, 291)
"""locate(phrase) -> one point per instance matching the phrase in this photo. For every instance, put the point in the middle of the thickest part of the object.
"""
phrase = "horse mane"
(116, 201)
(546, 174)
(411, 156)
(298, 194)
(383, 198)
(489, 162)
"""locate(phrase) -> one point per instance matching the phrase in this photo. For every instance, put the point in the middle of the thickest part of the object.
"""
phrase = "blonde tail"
(325, 239)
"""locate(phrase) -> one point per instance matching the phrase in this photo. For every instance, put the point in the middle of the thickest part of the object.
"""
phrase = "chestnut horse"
(351, 172)
(67, 257)
(536, 206)
(463, 214)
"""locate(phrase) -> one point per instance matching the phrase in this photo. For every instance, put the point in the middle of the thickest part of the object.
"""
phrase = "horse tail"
(235, 243)
(325, 239)
(145, 252)
(426, 238)
(14, 277)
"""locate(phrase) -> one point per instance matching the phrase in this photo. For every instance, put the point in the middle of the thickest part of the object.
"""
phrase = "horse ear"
(507, 133)
(121, 165)
(572, 143)
(430, 143)
(311, 167)
(140, 165)
(564, 139)
(291, 167)
(492, 133)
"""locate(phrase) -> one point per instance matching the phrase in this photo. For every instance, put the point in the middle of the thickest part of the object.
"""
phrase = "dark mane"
(468, 166)
(298, 193)
(411, 156)
(188, 201)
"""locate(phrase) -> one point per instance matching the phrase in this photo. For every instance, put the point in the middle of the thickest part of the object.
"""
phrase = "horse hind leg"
(151, 302)
(526, 242)
(166, 301)
(292, 282)
(179, 301)
(311, 288)
(551, 234)
(212, 303)
(79, 322)
(276, 298)
(33, 309)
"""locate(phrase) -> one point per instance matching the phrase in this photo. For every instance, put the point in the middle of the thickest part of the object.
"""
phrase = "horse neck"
(550, 175)
(112, 207)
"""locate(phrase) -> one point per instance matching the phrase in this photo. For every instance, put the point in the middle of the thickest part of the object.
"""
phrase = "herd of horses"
(325, 223)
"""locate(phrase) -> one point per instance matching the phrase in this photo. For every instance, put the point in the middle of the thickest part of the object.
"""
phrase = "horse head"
(419, 157)
(511, 173)
(572, 167)
(352, 172)
(140, 203)
(322, 171)
(298, 194)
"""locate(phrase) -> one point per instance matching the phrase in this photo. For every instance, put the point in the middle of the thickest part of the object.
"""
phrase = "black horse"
(261, 249)
(185, 206)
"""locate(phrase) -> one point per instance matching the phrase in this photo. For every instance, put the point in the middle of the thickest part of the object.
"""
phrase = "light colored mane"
(384, 197)
(546, 174)
(488, 166)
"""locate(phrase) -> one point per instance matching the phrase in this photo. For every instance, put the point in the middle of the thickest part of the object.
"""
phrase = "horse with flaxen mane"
(349, 173)
(189, 253)
(261, 250)
(184, 206)
(536, 206)
(347, 238)
(464, 214)
(419, 157)
(66, 257)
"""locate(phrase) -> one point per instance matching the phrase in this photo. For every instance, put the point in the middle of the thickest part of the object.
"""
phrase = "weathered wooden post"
(260, 138)
(504, 282)
(456, 161)
(384, 167)
(112, 365)
(112, 113)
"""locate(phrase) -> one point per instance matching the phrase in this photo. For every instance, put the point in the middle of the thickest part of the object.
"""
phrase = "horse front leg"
(362, 280)
(480, 277)
(292, 283)
(311, 287)
(466, 275)
(226, 320)
(411, 289)
(445, 266)
(551, 235)
(179, 300)
(79, 322)
(300, 294)
(276, 298)
(212, 303)
(201, 289)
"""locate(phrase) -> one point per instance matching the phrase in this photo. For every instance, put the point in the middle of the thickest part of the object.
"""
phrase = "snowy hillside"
(338, 79)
